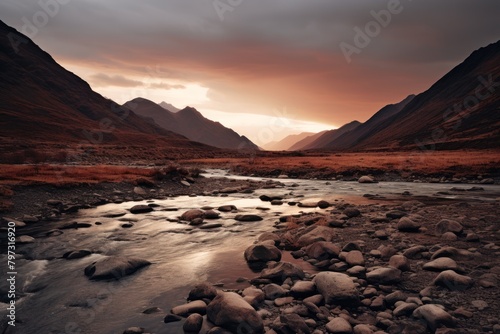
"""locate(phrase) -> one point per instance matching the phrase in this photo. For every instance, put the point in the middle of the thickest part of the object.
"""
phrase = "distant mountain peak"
(168, 106)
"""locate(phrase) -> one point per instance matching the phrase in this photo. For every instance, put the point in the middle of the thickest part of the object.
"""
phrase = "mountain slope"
(190, 123)
(40, 101)
(368, 128)
(331, 135)
(168, 106)
(461, 110)
(306, 141)
(285, 143)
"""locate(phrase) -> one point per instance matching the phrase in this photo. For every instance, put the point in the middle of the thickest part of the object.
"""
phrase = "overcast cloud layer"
(263, 55)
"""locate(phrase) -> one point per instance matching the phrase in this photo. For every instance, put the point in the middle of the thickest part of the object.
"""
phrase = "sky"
(266, 68)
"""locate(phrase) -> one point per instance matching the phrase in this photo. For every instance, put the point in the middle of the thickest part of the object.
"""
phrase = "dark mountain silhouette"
(190, 122)
(41, 102)
(461, 110)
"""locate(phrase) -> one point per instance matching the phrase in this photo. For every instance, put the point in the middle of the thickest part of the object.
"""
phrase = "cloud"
(103, 80)
(166, 86)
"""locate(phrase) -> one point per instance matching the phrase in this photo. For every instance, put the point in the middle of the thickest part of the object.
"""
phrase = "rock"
(171, 318)
(282, 270)
(472, 237)
(452, 252)
(336, 288)
(414, 252)
(487, 181)
(141, 208)
(435, 316)
(362, 329)
(322, 250)
(248, 218)
(316, 233)
(185, 183)
(273, 291)
(262, 253)
(196, 222)
(152, 310)
(323, 204)
(394, 297)
(253, 296)
(441, 264)
(488, 280)
(303, 289)
(139, 191)
(230, 311)
(355, 258)
(366, 179)
(77, 254)
(197, 306)
(127, 225)
(210, 226)
(202, 290)
(395, 214)
(134, 330)
(211, 214)
(193, 214)
(283, 301)
(339, 326)
(480, 305)
(227, 208)
(453, 281)
(404, 309)
(352, 212)
(193, 323)
(230, 190)
(295, 323)
(384, 276)
(266, 236)
(75, 225)
(446, 225)
(114, 267)
(276, 202)
(399, 262)
(449, 236)
(25, 239)
(405, 224)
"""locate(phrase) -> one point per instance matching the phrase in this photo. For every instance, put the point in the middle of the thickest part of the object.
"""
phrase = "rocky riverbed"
(218, 255)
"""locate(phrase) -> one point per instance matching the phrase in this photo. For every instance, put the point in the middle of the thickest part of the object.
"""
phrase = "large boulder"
(114, 267)
(263, 252)
(230, 311)
(336, 288)
(282, 270)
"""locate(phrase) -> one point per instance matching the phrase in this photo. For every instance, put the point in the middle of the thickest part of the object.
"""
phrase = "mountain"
(190, 122)
(41, 102)
(461, 110)
(306, 141)
(366, 129)
(168, 106)
(330, 136)
(285, 143)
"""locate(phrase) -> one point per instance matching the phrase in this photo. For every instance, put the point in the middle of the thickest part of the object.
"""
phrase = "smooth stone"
(435, 316)
(441, 264)
(171, 318)
(316, 233)
(404, 309)
(453, 281)
(322, 250)
(202, 290)
(25, 239)
(141, 208)
(281, 270)
(295, 323)
(303, 289)
(336, 288)
(193, 214)
(400, 262)
(227, 208)
(230, 311)
(384, 276)
(339, 326)
(193, 323)
(366, 179)
(134, 330)
(248, 218)
(77, 254)
(447, 225)
(197, 306)
(406, 224)
(114, 267)
(355, 258)
(273, 291)
(262, 253)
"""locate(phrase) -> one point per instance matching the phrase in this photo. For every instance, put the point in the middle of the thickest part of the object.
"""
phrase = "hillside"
(191, 123)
